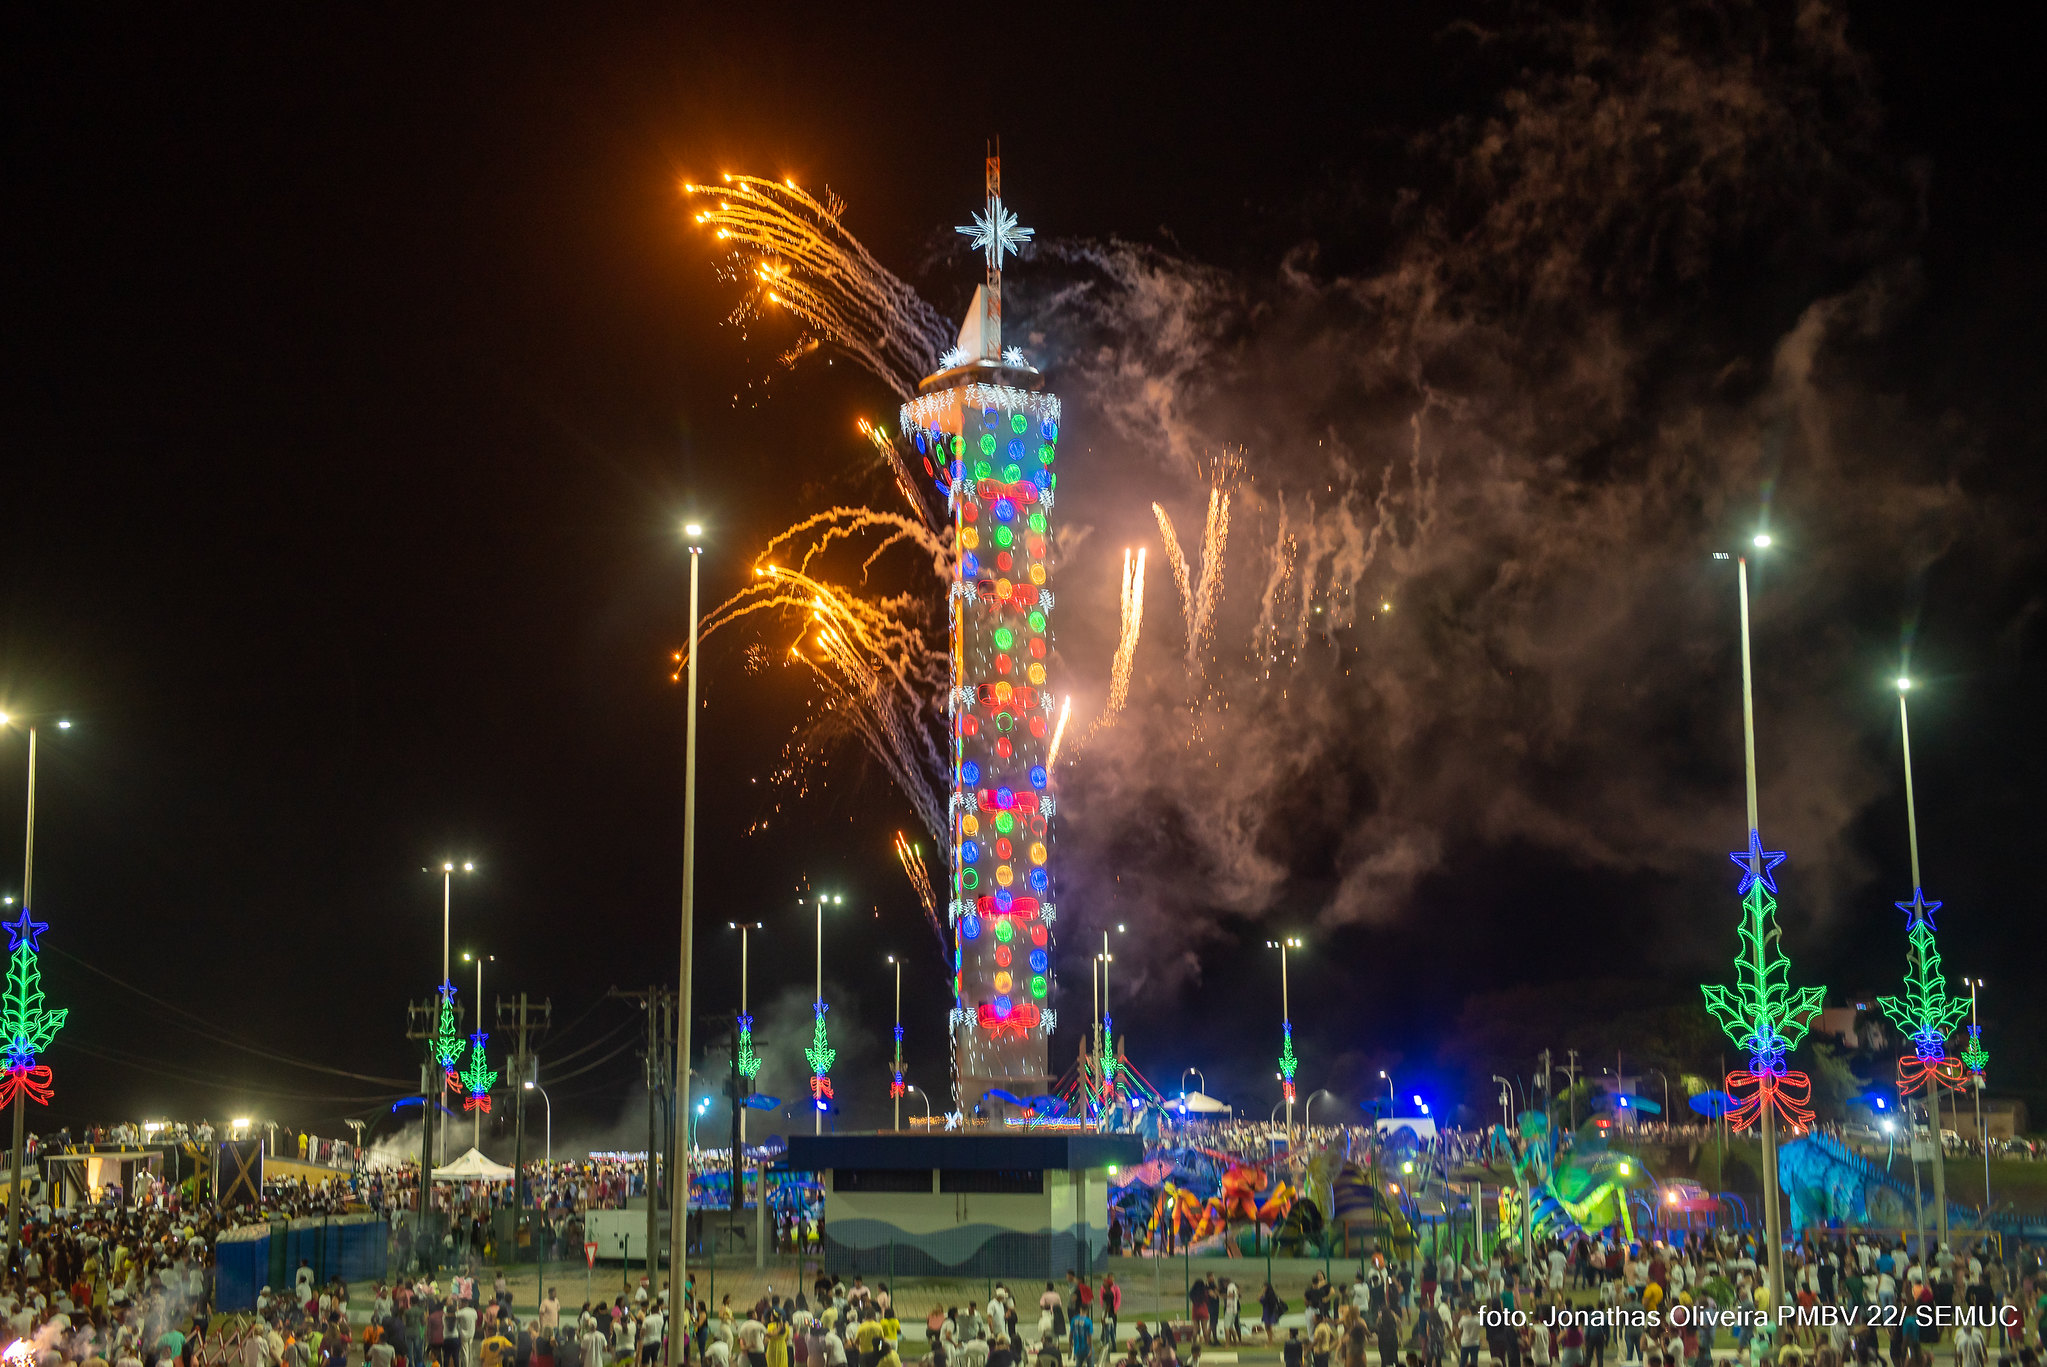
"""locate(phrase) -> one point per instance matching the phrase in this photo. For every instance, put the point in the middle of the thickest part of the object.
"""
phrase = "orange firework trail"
(1199, 597)
(884, 677)
(914, 869)
(892, 456)
(796, 255)
(1125, 658)
(1059, 732)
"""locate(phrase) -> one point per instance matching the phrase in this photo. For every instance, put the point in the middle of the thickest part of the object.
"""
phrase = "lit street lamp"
(820, 1053)
(678, 1220)
(476, 1044)
(924, 1097)
(895, 1086)
(1287, 1062)
(28, 877)
(536, 1087)
(1392, 1106)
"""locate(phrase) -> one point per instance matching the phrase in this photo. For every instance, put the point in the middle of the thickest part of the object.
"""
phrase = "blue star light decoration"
(1918, 911)
(25, 931)
(1756, 865)
(996, 232)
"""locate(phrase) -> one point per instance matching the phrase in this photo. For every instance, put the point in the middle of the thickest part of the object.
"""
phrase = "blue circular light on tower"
(970, 852)
(1049, 430)
(1005, 511)
(1016, 448)
(1003, 1006)
(1004, 901)
(1039, 960)
(1037, 776)
(970, 772)
(970, 927)
(1004, 798)
(1039, 879)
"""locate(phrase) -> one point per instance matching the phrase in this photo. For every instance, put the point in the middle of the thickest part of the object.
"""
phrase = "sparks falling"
(1198, 597)
(898, 467)
(1120, 665)
(796, 255)
(882, 672)
(1059, 732)
(914, 869)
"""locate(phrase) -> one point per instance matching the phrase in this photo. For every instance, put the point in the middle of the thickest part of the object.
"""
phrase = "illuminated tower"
(988, 424)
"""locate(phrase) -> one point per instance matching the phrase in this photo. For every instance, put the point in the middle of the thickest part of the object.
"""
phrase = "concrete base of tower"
(1013, 1204)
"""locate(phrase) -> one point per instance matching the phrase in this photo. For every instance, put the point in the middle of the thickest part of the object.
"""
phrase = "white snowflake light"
(1014, 356)
(996, 232)
(954, 356)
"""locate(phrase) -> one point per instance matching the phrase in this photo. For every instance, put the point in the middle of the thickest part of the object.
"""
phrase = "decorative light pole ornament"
(1762, 1013)
(28, 1027)
(477, 1078)
(820, 1055)
(749, 1062)
(1926, 1013)
(448, 1041)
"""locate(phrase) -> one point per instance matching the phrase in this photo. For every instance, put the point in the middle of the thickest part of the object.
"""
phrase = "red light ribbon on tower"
(1789, 1091)
(33, 1082)
(1919, 1074)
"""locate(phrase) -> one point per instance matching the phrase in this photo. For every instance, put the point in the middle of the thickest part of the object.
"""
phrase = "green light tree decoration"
(29, 1027)
(448, 1041)
(478, 1078)
(1925, 1013)
(820, 1055)
(1762, 1013)
(749, 1062)
(1287, 1061)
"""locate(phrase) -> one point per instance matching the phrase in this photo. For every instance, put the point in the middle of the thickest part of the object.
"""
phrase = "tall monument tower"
(988, 422)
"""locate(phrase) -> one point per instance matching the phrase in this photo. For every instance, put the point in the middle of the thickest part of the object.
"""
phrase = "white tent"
(1198, 1103)
(473, 1167)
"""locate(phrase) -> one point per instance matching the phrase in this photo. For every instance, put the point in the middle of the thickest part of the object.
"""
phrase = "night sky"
(361, 368)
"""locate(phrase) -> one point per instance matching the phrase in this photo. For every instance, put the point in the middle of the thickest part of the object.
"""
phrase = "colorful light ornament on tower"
(1926, 1013)
(28, 1027)
(1107, 1063)
(991, 432)
(749, 1062)
(820, 1055)
(1762, 1013)
(477, 1078)
(448, 1041)
(1288, 1063)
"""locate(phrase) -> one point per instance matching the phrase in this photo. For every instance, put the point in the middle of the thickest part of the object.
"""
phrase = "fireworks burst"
(1126, 645)
(796, 255)
(912, 857)
(883, 673)
(1059, 732)
(1198, 597)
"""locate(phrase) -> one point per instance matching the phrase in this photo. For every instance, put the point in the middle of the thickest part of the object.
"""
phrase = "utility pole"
(650, 1000)
(419, 1024)
(523, 1018)
(1573, 1093)
(738, 1163)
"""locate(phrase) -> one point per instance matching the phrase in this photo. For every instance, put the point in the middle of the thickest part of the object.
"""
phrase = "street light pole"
(536, 1087)
(678, 1181)
(1287, 1062)
(895, 1087)
(817, 1007)
(476, 1117)
(28, 878)
(1772, 1217)
(745, 929)
(1392, 1104)
(1982, 1135)
(924, 1097)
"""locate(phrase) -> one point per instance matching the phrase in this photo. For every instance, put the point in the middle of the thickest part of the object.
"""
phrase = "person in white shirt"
(1972, 1349)
(595, 1350)
(650, 1335)
(465, 1330)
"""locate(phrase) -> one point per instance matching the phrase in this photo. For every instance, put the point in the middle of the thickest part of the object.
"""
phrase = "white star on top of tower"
(996, 232)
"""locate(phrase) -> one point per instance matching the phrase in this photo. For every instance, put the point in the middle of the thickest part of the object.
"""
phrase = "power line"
(158, 1069)
(206, 1030)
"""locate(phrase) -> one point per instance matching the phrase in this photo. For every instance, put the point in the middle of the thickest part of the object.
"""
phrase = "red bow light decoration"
(1789, 1091)
(33, 1082)
(477, 1103)
(1920, 1074)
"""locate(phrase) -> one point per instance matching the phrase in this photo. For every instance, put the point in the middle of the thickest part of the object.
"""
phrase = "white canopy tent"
(1198, 1103)
(473, 1167)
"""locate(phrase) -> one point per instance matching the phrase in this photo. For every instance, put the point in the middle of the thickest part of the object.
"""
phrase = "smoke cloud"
(1617, 322)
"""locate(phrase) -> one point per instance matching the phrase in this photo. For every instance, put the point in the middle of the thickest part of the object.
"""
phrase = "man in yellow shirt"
(495, 1350)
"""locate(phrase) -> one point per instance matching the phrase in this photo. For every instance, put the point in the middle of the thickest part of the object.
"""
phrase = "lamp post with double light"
(678, 1188)
(22, 1067)
(1288, 1063)
(820, 1053)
